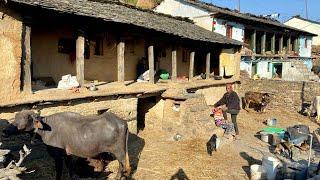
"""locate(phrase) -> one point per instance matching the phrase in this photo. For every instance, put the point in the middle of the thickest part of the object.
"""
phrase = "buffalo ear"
(37, 121)
(37, 124)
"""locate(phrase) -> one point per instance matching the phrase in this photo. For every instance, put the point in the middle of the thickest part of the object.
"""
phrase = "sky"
(286, 8)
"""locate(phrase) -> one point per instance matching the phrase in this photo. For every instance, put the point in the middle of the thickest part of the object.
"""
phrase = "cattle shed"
(104, 44)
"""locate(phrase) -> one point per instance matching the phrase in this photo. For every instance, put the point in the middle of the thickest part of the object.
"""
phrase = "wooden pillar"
(151, 63)
(254, 41)
(191, 68)
(296, 45)
(237, 63)
(281, 44)
(289, 44)
(80, 57)
(120, 59)
(208, 65)
(263, 43)
(26, 56)
(174, 64)
(273, 43)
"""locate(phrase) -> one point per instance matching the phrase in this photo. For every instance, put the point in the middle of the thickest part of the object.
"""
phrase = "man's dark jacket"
(231, 100)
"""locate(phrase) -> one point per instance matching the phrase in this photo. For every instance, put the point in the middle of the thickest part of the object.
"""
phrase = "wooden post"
(263, 43)
(120, 59)
(191, 67)
(208, 66)
(273, 43)
(80, 57)
(289, 44)
(237, 63)
(151, 63)
(253, 41)
(174, 63)
(26, 56)
(281, 44)
(296, 45)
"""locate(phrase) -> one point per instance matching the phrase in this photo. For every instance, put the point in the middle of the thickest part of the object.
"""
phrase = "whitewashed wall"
(237, 29)
(180, 8)
(305, 51)
(200, 16)
(204, 22)
(246, 66)
(264, 69)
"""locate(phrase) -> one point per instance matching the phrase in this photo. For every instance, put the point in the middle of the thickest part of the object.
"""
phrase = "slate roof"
(119, 13)
(245, 16)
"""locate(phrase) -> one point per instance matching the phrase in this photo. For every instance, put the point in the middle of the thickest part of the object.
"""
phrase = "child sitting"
(221, 122)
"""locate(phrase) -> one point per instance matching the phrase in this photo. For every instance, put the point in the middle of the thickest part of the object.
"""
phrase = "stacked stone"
(286, 94)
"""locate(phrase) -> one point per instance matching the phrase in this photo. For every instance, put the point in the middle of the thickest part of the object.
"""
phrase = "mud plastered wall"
(10, 53)
(125, 108)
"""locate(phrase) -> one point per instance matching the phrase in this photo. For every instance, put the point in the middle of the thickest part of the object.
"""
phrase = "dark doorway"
(254, 69)
(199, 62)
(144, 105)
(277, 70)
(215, 62)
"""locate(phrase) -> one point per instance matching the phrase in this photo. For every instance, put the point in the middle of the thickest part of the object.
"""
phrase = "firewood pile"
(13, 169)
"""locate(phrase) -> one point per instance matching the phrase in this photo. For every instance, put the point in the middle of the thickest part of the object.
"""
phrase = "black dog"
(212, 144)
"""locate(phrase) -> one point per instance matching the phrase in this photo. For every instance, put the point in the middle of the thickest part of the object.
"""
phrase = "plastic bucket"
(270, 164)
(257, 172)
(264, 136)
(272, 122)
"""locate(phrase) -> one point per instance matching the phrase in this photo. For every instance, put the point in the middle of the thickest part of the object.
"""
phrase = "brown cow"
(257, 98)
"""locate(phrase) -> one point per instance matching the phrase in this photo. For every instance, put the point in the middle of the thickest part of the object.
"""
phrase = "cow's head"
(25, 121)
(266, 98)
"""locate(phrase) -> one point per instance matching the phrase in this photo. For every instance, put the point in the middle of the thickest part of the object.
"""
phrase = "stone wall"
(289, 95)
(212, 94)
(125, 108)
(189, 117)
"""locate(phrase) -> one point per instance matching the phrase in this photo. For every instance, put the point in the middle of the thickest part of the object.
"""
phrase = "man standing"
(231, 104)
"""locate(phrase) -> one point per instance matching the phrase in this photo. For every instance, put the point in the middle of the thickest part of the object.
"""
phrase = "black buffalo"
(68, 133)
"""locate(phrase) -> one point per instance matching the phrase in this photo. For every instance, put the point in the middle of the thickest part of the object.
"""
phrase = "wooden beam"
(273, 43)
(151, 63)
(26, 56)
(120, 59)
(281, 44)
(208, 65)
(263, 43)
(80, 57)
(254, 41)
(174, 64)
(191, 67)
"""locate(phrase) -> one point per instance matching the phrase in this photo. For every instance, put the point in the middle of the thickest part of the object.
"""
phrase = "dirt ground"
(155, 155)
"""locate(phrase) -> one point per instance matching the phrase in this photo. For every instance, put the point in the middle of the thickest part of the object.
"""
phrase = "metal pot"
(93, 87)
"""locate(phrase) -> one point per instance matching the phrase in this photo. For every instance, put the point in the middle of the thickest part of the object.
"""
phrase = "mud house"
(271, 49)
(103, 43)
